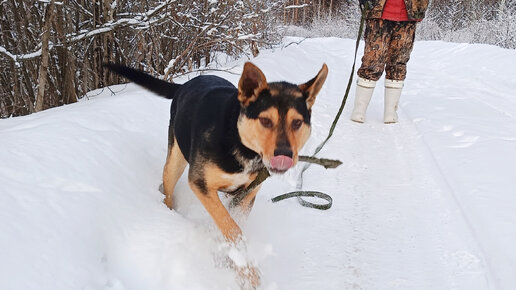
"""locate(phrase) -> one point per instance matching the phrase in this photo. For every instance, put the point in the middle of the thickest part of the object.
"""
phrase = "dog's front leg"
(246, 204)
(211, 202)
(248, 275)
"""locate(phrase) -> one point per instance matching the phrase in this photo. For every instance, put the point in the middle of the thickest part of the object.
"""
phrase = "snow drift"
(424, 204)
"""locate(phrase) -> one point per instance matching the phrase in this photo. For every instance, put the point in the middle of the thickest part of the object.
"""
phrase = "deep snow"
(424, 204)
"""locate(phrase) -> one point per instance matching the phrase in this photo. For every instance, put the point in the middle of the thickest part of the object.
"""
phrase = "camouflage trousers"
(388, 45)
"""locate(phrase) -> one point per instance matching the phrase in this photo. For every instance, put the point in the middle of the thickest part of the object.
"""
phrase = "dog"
(228, 134)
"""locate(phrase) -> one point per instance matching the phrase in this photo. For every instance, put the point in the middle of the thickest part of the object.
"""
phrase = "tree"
(52, 52)
(42, 79)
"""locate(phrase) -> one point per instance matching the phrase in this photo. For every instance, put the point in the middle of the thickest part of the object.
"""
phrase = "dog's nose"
(283, 151)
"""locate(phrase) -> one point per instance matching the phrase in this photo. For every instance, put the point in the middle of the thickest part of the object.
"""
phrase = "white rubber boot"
(363, 95)
(392, 98)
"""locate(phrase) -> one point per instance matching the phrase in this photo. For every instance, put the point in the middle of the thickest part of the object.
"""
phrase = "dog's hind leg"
(174, 167)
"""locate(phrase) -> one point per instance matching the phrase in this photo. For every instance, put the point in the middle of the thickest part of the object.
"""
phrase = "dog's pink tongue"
(281, 162)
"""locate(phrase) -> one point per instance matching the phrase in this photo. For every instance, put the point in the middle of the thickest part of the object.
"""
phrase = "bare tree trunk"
(296, 3)
(254, 46)
(501, 7)
(330, 11)
(107, 40)
(304, 10)
(42, 79)
(285, 13)
(96, 48)
(65, 61)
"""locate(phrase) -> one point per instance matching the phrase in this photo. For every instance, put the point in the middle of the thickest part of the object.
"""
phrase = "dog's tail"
(157, 86)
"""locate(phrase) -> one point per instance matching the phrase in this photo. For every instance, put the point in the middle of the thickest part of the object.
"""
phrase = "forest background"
(51, 52)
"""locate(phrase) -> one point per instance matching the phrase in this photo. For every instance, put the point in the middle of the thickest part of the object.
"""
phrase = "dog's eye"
(296, 124)
(266, 122)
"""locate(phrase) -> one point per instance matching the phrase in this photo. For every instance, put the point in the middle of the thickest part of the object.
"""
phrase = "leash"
(264, 174)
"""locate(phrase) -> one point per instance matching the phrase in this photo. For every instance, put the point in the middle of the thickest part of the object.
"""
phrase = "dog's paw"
(249, 277)
(169, 202)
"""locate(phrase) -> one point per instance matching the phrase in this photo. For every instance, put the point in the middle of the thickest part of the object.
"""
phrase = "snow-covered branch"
(143, 20)
(107, 27)
(10, 55)
(296, 6)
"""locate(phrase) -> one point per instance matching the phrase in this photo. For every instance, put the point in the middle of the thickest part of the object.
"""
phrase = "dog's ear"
(312, 87)
(251, 83)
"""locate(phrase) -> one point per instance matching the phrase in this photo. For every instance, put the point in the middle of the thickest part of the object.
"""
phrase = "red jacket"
(395, 10)
(414, 8)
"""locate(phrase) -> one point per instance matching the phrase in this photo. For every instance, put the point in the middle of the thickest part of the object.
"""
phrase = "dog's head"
(275, 117)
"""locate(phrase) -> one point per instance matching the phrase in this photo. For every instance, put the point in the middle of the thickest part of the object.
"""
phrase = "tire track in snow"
(454, 199)
(429, 78)
(414, 206)
(395, 213)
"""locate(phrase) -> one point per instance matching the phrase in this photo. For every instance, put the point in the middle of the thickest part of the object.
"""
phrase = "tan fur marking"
(296, 94)
(271, 113)
(247, 203)
(273, 92)
(217, 179)
(297, 138)
(258, 138)
(174, 167)
(313, 86)
(293, 92)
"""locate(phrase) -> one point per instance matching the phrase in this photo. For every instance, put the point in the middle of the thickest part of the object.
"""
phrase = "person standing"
(389, 38)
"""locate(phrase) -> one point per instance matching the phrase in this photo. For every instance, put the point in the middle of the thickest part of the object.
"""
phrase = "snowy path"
(470, 129)
(402, 222)
(395, 222)
(423, 204)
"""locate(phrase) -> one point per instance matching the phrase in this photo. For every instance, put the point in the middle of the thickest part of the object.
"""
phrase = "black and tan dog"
(228, 134)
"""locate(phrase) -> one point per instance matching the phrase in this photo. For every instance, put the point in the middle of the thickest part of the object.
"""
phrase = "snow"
(296, 6)
(427, 203)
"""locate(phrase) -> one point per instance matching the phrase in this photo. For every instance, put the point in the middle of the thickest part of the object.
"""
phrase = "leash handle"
(305, 203)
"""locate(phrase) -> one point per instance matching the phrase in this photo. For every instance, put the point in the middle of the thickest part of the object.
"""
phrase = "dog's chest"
(236, 181)
(249, 165)
(244, 177)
